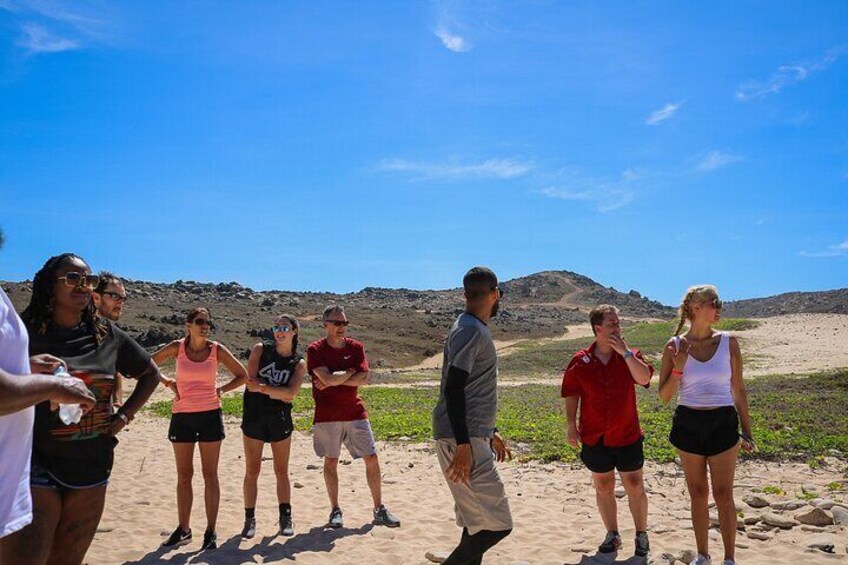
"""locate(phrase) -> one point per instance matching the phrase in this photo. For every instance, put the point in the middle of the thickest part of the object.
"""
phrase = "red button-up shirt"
(607, 397)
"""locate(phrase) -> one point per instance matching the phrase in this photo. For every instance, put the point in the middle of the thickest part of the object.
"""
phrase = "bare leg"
(31, 545)
(331, 479)
(722, 471)
(605, 497)
(281, 451)
(184, 455)
(637, 499)
(372, 474)
(695, 469)
(252, 465)
(210, 452)
(81, 512)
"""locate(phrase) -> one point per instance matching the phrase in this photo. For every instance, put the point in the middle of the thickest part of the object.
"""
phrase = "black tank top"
(274, 370)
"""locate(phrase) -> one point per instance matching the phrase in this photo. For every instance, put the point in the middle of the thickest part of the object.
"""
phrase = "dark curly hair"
(38, 315)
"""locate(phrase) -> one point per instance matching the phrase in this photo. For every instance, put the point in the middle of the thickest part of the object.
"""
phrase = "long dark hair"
(38, 315)
(296, 325)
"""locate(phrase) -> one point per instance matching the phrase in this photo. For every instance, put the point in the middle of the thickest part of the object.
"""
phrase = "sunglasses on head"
(338, 323)
(74, 279)
(281, 329)
(115, 296)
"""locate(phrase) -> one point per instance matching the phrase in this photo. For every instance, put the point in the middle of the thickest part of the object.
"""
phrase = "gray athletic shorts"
(483, 505)
(328, 437)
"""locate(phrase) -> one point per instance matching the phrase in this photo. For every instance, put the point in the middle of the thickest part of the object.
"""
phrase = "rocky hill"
(828, 301)
(400, 327)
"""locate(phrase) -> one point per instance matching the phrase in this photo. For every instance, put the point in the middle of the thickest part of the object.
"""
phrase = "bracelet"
(123, 416)
(677, 373)
(627, 354)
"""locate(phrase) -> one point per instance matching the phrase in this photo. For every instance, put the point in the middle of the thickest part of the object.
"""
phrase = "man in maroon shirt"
(338, 367)
(601, 381)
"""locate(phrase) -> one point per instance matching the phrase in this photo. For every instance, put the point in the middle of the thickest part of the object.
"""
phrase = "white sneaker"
(701, 560)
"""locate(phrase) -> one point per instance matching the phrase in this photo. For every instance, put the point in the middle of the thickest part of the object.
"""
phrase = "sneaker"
(210, 541)
(728, 562)
(286, 526)
(702, 560)
(642, 545)
(336, 520)
(611, 543)
(382, 517)
(249, 529)
(178, 538)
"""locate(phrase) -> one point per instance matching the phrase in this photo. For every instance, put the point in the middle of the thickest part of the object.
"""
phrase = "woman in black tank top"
(275, 374)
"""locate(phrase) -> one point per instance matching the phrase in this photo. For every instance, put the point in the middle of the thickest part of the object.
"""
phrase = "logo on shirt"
(586, 359)
(274, 377)
(346, 357)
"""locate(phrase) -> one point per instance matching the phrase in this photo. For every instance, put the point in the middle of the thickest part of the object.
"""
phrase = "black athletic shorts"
(269, 422)
(602, 459)
(704, 432)
(189, 427)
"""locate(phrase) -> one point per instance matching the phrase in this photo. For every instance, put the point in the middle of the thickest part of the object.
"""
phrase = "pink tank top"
(196, 382)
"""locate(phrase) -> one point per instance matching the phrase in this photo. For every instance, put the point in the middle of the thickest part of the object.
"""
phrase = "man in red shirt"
(338, 367)
(600, 380)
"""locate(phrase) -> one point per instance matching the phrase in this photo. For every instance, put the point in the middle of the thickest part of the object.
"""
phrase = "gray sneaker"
(382, 517)
(336, 519)
(642, 545)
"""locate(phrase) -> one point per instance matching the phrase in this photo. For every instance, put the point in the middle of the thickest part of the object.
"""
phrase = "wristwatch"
(123, 416)
(627, 354)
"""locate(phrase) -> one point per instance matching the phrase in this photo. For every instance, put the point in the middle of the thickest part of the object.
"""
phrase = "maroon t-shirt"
(337, 403)
(607, 397)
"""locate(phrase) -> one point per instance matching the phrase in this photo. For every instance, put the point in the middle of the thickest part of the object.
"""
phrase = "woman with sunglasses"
(705, 367)
(275, 373)
(196, 418)
(71, 463)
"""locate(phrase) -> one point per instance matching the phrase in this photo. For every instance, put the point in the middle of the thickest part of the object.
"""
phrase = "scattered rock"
(814, 517)
(762, 536)
(104, 528)
(582, 549)
(779, 520)
(823, 503)
(313, 467)
(686, 556)
(436, 556)
(840, 515)
(789, 505)
(751, 520)
(755, 501)
(822, 542)
(814, 529)
(714, 520)
(297, 485)
(620, 493)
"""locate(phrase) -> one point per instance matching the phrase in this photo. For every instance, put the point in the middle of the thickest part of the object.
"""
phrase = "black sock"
(285, 509)
(249, 513)
(472, 547)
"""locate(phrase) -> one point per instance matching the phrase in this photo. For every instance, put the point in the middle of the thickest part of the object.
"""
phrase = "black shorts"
(602, 459)
(269, 423)
(190, 427)
(704, 432)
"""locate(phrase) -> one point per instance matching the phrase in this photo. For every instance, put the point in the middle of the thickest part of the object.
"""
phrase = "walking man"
(464, 423)
(338, 367)
(600, 381)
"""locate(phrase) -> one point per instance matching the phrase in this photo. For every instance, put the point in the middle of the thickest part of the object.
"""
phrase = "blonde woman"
(704, 367)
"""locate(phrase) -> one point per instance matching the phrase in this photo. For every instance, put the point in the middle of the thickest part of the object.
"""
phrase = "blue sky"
(336, 145)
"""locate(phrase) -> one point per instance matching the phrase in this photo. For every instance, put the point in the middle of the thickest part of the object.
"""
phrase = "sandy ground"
(553, 506)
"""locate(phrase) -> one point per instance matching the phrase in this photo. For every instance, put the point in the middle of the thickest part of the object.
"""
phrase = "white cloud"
(663, 114)
(604, 193)
(838, 250)
(786, 75)
(36, 39)
(455, 43)
(491, 168)
(715, 160)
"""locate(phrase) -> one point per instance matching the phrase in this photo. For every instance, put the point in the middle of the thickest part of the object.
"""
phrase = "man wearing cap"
(467, 440)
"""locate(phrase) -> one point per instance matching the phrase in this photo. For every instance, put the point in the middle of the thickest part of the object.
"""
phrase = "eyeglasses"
(203, 322)
(74, 279)
(338, 323)
(281, 329)
(717, 304)
(115, 296)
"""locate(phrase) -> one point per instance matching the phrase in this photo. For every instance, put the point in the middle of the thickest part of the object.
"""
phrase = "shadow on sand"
(319, 538)
(608, 559)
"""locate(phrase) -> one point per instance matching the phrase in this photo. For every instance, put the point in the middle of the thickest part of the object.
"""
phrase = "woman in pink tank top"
(705, 367)
(196, 417)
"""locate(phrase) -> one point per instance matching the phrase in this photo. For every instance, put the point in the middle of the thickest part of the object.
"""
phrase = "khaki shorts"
(483, 505)
(328, 437)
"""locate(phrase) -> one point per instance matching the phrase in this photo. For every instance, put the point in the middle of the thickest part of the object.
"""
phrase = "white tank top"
(707, 384)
